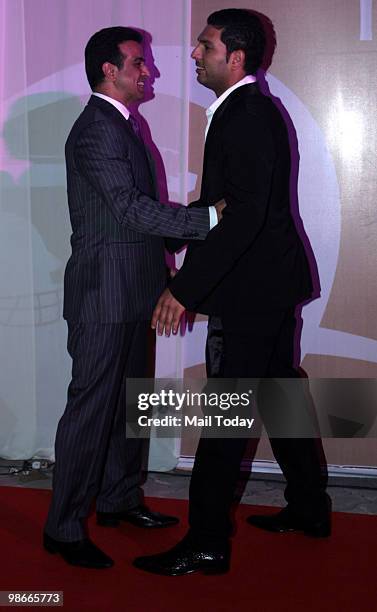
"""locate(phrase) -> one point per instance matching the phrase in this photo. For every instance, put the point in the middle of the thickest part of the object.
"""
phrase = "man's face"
(212, 67)
(129, 80)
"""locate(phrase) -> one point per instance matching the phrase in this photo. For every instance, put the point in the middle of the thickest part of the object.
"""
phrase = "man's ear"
(109, 70)
(237, 59)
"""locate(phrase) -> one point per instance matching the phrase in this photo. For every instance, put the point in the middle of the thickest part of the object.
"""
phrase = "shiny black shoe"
(285, 521)
(140, 516)
(82, 553)
(183, 559)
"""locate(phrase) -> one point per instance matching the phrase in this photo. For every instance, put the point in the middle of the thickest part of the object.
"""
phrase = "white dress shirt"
(249, 78)
(118, 105)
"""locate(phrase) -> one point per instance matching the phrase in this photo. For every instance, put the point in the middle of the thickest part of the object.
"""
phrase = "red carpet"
(270, 572)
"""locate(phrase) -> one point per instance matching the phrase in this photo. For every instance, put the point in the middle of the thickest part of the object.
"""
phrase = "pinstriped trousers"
(93, 459)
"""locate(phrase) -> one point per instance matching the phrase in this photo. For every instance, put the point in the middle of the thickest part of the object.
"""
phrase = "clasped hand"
(168, 311)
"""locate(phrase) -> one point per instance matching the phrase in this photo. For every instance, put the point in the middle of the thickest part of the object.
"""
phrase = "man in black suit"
(112, 281)
(248, 276)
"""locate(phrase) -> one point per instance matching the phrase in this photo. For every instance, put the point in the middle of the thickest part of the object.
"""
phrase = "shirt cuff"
(213, 220)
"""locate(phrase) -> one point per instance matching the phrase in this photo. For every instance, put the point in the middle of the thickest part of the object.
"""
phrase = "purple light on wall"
(366, 11)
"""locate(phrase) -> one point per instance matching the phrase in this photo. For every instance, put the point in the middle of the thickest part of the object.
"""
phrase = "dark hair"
(241, 29)
(103, 47)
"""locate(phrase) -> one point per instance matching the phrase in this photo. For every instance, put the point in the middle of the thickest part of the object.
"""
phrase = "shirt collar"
(249, 78)
(118, 105)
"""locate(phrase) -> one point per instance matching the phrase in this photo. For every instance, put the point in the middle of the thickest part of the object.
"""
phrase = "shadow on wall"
(145, 129)
(36, 131)
(34, 247)
(271, 44)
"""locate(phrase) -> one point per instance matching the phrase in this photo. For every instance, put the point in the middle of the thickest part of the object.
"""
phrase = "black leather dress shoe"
(140, 516)
(285, 520)
(183, 559)
(82, 553)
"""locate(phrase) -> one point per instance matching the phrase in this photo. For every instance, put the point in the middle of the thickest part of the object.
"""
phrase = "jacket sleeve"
(100, 157)
(248, 166)
(173, 245)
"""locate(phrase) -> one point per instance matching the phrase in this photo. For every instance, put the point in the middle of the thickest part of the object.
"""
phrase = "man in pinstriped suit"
(113, 279)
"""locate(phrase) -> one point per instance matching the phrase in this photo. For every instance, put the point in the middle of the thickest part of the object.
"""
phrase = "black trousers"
(93, 459)
(259, 347)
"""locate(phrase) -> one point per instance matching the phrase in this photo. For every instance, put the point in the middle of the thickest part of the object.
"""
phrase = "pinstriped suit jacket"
(117, 270)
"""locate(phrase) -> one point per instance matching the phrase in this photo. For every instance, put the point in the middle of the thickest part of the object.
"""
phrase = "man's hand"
(167, 314)
(220, 205)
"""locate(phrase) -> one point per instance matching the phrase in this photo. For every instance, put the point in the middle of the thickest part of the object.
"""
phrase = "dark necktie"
(135, 126)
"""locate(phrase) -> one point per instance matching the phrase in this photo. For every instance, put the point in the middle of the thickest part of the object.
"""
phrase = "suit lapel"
(113, 112)
(212, 150)
(238, 94)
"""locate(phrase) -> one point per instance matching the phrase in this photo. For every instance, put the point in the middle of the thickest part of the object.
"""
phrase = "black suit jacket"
(253, 260)
(117, 268)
